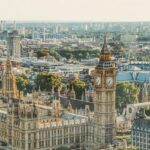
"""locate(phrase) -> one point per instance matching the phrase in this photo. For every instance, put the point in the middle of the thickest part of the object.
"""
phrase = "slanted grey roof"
(141, 76)
(70, 116)
(124, 76)
(141, 124)
(134, 68)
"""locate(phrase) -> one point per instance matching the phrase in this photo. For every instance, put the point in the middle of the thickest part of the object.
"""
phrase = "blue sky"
(75, 10)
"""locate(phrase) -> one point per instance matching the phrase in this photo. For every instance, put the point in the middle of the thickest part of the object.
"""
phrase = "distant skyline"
(75, 10)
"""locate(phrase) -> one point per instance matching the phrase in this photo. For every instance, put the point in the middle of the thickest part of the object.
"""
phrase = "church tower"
(104, 109)
(9, 87)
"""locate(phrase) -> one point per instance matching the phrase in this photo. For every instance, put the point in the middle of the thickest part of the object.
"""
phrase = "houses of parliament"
(27, 123)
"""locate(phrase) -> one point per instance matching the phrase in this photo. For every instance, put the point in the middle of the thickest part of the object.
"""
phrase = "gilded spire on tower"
(105, 53)
(105, 48)
(8, 64)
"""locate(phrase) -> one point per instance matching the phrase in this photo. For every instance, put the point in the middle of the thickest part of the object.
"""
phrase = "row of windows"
(47, 142)
(141, 134)
(141, 146)
(59, 132)
(47, 133)
(55, 142)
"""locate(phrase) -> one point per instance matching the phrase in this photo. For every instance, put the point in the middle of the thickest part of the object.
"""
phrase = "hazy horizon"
(70, 21)
(75, 10)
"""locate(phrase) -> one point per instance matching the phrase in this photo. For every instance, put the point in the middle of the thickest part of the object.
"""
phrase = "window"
(29, 146)
(23, 145)
(29, 136)
(29, 126)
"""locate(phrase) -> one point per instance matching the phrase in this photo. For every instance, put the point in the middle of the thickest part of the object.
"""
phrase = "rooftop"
(139, 76)
(142, 124)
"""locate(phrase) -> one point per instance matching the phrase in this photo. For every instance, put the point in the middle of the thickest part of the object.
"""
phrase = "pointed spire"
(52, 90)
(73, 93)
(105, 48)
(8, 63)
(70, 107)
(8, 55)
(83, 96)
(39, 90)
(14, 25)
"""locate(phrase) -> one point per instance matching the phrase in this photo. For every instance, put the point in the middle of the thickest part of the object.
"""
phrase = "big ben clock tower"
(104, 108)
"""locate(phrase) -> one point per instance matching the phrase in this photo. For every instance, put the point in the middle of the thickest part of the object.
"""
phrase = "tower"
(14, 25)
(44, 34)
(22, 120)
(1, 25)
(104, 105)
(73, 93)
(9, 87)
(13, 42)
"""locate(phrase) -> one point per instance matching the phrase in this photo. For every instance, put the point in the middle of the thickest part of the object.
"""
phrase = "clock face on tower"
(97, 81)
(109, 81)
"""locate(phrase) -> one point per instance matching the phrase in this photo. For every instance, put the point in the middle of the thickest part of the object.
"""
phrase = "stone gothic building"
(29, 125)
(9, 87)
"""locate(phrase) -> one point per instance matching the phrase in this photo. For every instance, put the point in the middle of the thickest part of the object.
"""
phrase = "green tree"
(78, 54)
(126, 93)
(42, 53)
(79, 87)
(63, 148)
(147, 111)
(29, 87)
(28, 36)
(127, 149)
(47, 80)
(54, 54)
(23, 84)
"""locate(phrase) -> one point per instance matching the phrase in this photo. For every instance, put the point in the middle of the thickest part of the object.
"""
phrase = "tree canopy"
(127, 149)
(23, 84)
(63, 148)
(78, 54)
(42, 53)
(126, 93)
(46, 81)
(79, 87)
(55, 54)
